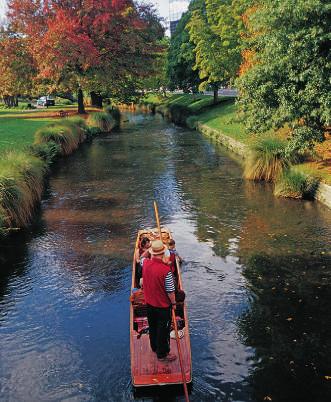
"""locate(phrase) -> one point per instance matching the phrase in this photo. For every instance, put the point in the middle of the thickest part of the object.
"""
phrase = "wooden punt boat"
(146, 369)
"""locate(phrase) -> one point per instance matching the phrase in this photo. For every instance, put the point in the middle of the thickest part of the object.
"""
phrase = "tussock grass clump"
(267, 160)
(115, 114)
(93, 132)
(21, 186)
(65, 136)
(47, 151)
(76, 121)
(295, 184)
(3, 222)
(102, 120)
(77, 125)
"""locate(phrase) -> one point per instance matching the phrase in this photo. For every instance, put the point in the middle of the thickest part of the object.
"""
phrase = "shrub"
(75, 120)
(93, 132)
(77, 124)
(63, 101)
(21, 185)
(66, 136)
(294, 184)
(3, 221)
(115, 114)
(192, 121)
(102, 120)
(108, 109)
(47, 151)
(267, 160)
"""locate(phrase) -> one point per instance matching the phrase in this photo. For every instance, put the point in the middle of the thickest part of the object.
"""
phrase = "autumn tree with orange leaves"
(17, 68)
(96, 45)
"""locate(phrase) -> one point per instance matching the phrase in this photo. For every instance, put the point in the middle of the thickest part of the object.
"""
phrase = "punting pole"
(174, 318)
(157, 219)
(180, 356)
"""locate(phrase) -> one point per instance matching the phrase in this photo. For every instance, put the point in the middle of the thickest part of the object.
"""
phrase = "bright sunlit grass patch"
(18, 133)
(224, 117)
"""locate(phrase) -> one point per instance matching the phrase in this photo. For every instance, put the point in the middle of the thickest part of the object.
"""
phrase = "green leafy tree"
(215, 29)
(181, 58)
(288, 82)
(158, 80)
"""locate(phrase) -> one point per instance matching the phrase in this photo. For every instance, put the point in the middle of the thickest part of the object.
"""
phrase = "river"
(256, 272)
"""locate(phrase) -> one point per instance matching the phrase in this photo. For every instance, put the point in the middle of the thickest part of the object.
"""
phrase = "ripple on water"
(64, 301)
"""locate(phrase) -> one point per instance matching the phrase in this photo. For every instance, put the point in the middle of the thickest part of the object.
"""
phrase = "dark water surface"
(257, 274)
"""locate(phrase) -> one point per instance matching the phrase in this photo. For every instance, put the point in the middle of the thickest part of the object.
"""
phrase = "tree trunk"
(96, 99)
(92, 96)
(81, 107)
(215, 95)
(99, 101)
(10, 101)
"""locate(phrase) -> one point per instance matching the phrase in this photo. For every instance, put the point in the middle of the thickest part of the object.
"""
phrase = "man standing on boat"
(159, 290)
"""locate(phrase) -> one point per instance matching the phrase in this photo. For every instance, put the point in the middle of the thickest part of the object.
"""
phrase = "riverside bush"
(77, 125)
(295, 184)
(101, 120)
(47, 151)
(67, 136)
(93, 132)
(267, 160)
(192, 121)
(115, 114)
(3, 221)
(21, 185)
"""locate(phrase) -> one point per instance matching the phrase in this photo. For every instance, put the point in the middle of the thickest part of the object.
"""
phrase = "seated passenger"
(173, 252)
(142, 252)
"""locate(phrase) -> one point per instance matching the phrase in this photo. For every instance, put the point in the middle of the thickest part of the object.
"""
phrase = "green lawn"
(16, 112)
(193, 103)
(18, 133)
(224, 117)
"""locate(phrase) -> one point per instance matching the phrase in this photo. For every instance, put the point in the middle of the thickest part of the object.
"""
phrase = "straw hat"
(157, 247)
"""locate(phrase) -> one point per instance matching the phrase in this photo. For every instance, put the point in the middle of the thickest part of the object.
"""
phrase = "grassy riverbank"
(27, 149)
(223, 119)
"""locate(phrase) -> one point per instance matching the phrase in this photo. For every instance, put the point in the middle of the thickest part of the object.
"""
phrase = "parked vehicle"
(46, 101)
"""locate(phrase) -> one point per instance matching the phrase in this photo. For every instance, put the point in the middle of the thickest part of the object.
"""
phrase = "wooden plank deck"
(147, 370)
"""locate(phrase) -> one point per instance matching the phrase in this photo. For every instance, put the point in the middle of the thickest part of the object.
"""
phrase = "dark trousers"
(159, 321)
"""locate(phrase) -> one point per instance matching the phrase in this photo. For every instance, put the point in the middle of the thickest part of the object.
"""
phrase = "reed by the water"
(267, 160)
(22, 172)
(294, 184)
(102, 120)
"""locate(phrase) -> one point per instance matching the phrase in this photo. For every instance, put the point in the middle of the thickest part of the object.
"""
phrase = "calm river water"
(257, 275)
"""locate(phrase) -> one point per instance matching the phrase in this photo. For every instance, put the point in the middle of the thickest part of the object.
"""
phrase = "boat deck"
(147, 370)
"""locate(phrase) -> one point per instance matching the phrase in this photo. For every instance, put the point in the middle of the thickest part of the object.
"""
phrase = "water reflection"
(288, 325)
